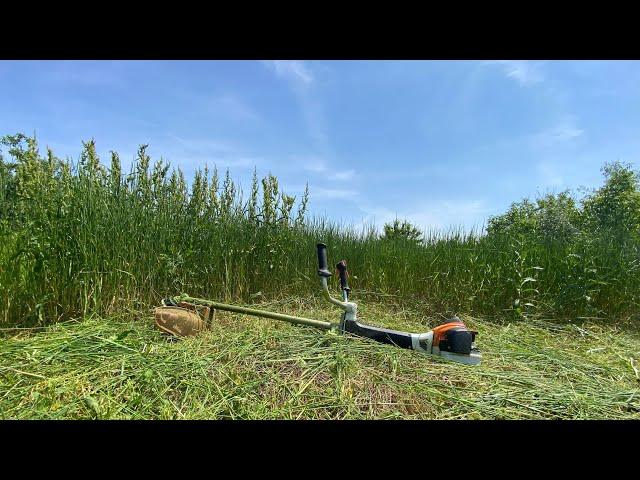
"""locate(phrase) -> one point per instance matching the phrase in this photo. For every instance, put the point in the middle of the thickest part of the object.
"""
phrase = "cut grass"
(250, 368)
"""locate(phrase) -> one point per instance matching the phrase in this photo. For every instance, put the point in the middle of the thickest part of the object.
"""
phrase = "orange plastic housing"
(440, 331)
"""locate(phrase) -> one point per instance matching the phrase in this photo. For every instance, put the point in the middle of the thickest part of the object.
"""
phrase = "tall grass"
(84, 237)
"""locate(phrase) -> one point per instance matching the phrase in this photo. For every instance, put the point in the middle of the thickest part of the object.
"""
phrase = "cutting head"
(178, 321)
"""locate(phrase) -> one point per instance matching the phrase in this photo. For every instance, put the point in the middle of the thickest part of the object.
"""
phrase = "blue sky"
(442, 143)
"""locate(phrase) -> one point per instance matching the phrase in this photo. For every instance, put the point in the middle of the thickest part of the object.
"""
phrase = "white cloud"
(319, 165)
(525, 72)
(430, 171)
(565, 131)
(200, 145)
(234, 107)
(300, 78)
(432, 215)
(291, 70)
(236, 162)
(311, 163)
(343, 176)
(87, 73)
(199, 151)
(330, 193)
(222, 105)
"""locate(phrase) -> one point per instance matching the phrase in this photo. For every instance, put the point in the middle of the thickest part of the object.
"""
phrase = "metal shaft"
(327, 295)
(257, 313)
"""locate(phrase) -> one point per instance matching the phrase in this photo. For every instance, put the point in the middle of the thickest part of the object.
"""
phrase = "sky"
(440, 143)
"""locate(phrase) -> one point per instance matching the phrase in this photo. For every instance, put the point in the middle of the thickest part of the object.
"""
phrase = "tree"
(615, 207)
(558, 217)
(553, 217)
(402, 230)
(520, 219)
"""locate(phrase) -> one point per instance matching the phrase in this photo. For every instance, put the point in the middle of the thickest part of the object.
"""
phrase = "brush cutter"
(184, 315)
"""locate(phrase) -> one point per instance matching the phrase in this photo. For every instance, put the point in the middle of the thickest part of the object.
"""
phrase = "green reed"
(89, 237)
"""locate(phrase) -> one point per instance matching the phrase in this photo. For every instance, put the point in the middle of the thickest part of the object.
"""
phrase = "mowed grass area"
(122, 367)
(87, 249)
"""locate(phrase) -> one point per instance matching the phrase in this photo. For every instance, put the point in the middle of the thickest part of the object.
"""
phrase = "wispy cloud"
(525, 72)
(319, 165)
(332, 193)
(310, 163)
(429, 215)
(231, 161)
(87, 73)
(452, 170)
(203, 145)
(233, 106)
(343, 176)
(300, 79)
(198, 151)
(292, 70)
(564, 131)
(222, 105)
(190, 161)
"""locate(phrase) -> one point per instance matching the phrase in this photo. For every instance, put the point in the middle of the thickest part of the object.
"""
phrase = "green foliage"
(85, 237)
(612, 210)
(82, 238)
(588, 250)
(519, 220)
(402, 231)
(552, 218)
(615, 207)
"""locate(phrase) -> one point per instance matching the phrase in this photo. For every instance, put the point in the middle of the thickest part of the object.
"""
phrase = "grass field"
(86, 251)
(248, 368)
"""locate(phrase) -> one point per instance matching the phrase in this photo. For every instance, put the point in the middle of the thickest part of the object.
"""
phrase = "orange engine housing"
(440, 332)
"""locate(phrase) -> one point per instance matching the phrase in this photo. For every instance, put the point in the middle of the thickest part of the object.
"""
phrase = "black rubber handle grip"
(323, 264)
(342, 271)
